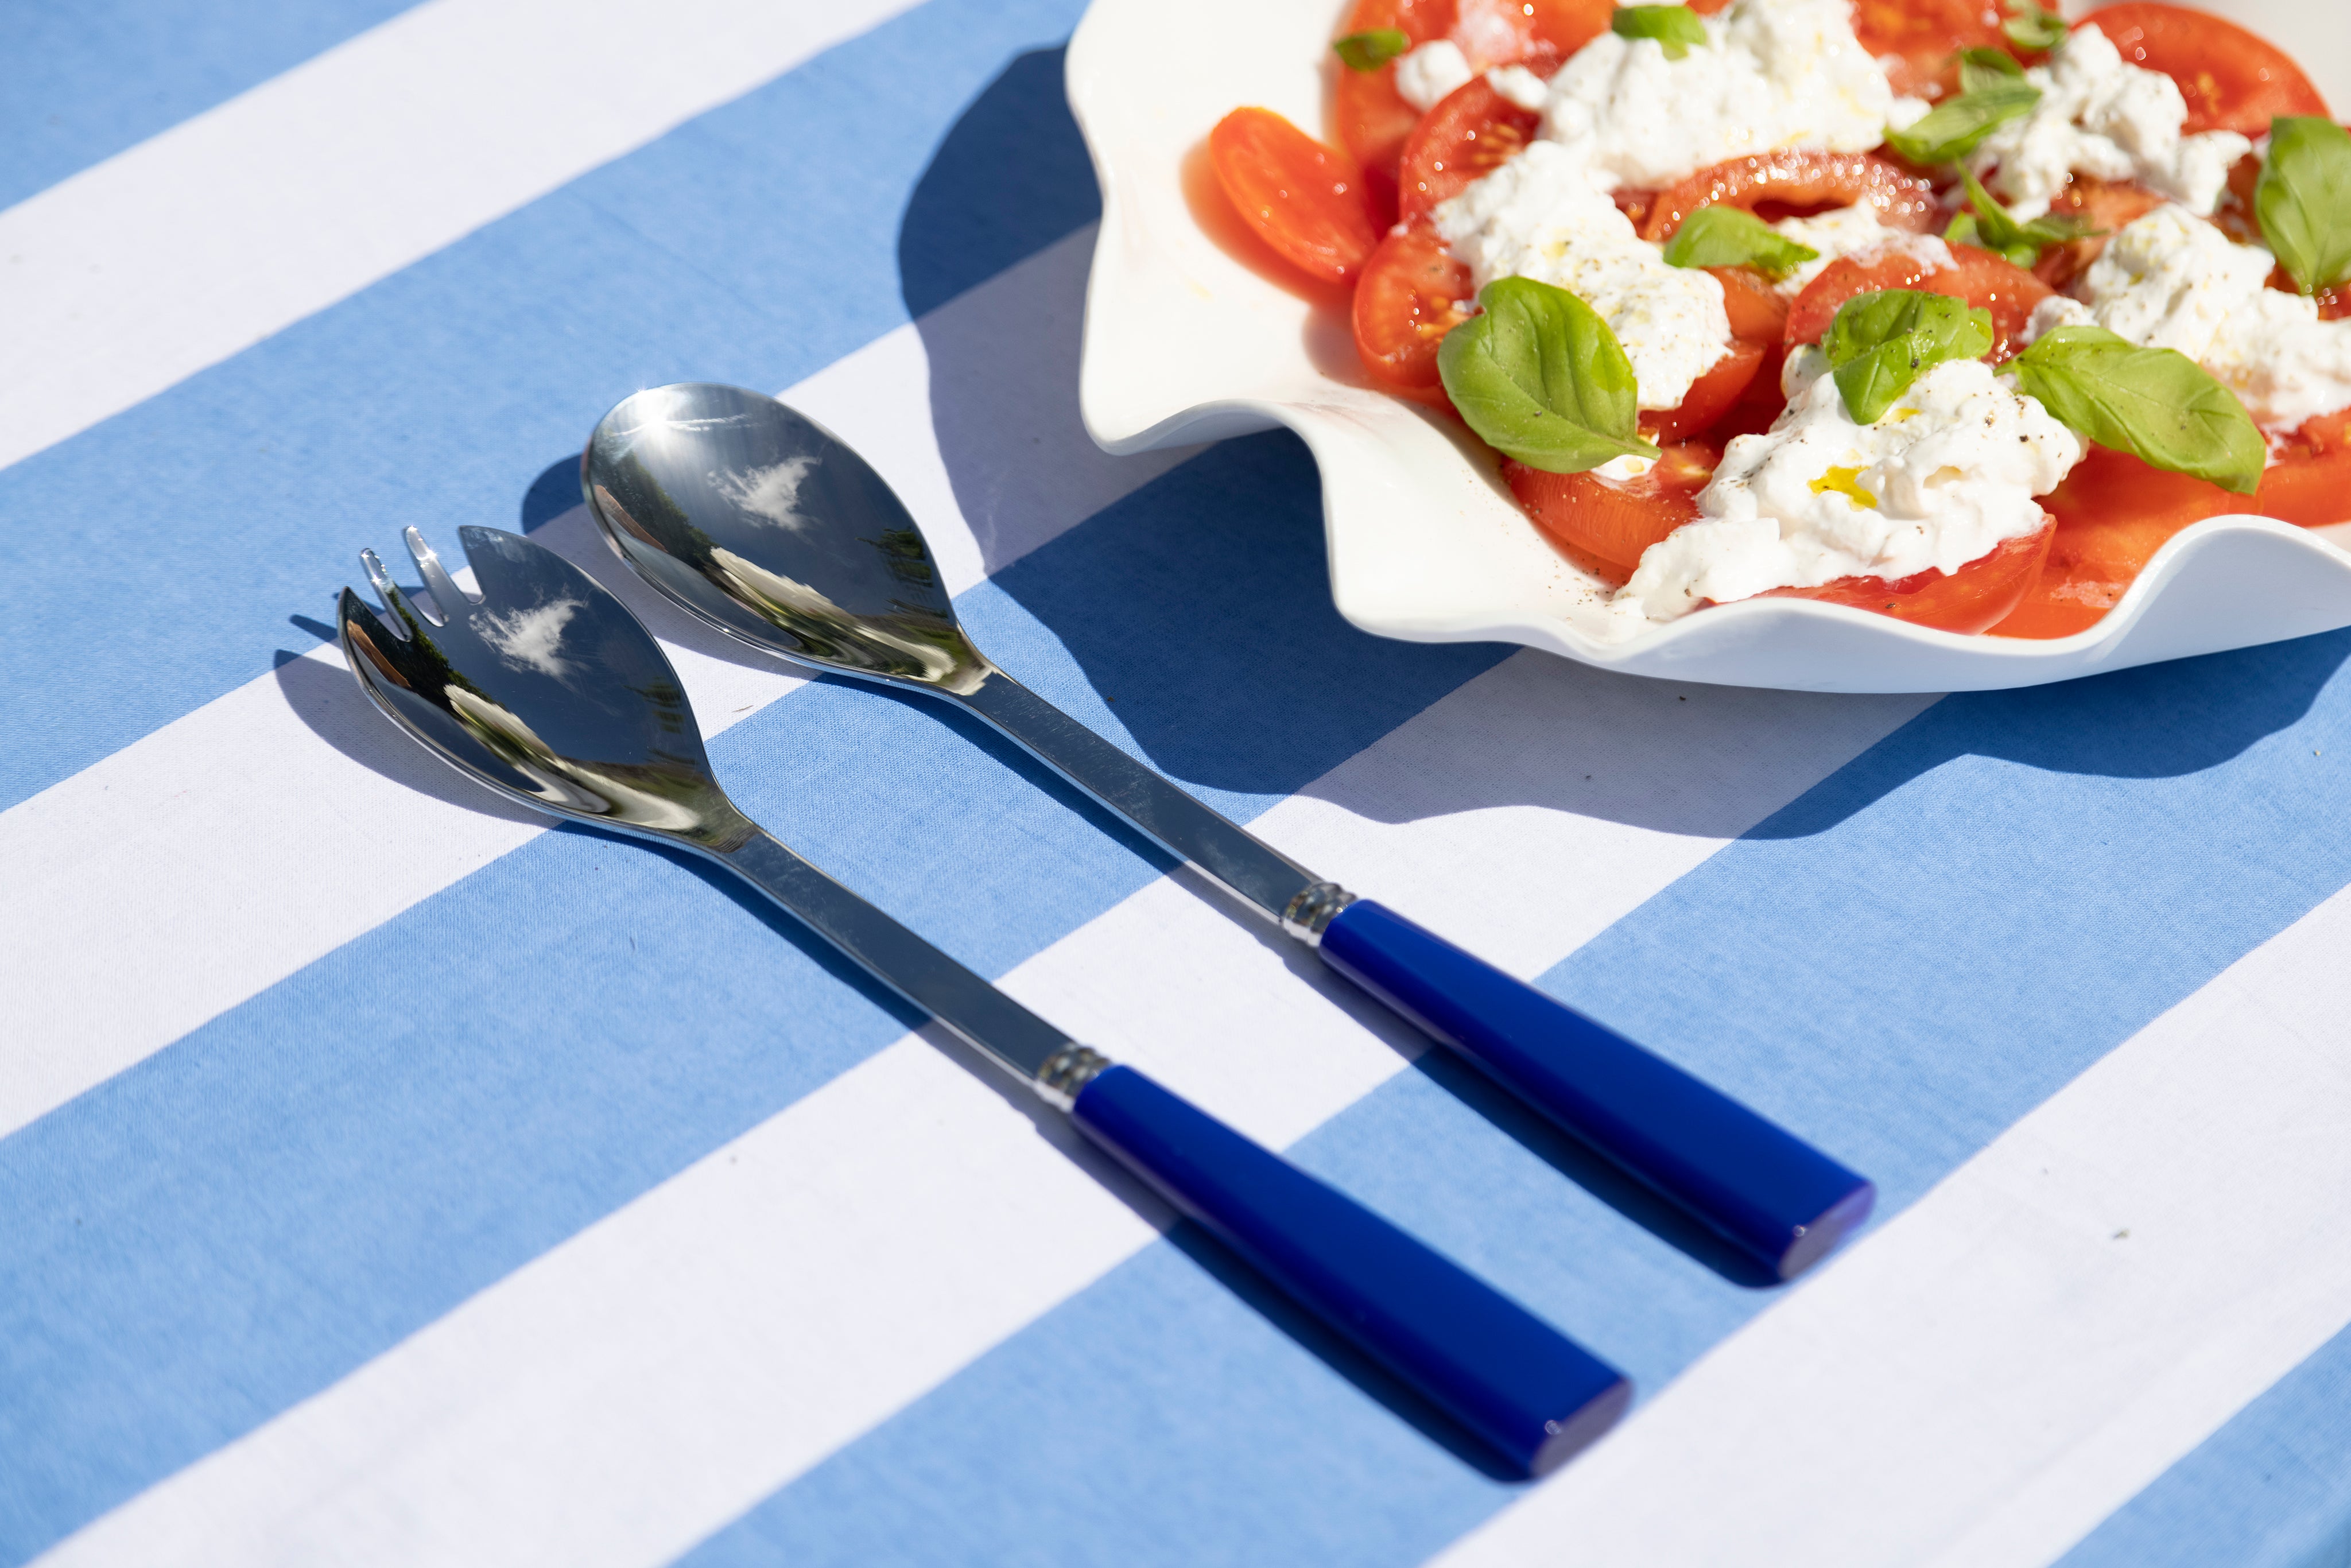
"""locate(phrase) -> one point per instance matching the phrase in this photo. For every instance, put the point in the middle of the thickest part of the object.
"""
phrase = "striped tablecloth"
(389, 1179)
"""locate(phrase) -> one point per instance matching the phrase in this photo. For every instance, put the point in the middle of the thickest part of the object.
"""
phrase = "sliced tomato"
(1616, 519)
(2232, 79)
(1411, 295)
(1978, 276)
(1917, 38)
(2113, 513)
(1973, 599)
(1797, 181)
(1306, 198)
(1717, 390)
(2104, 206)
(1759, 314)
(1371, 118)
(2310, 483)
(1472, 131)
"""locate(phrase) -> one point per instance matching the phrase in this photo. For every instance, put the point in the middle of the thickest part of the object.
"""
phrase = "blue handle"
(1530, 1392)
(1774, 1197)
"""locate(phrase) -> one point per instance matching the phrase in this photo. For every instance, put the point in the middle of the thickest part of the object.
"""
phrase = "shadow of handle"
(1521, 1385)
(1778, 1200)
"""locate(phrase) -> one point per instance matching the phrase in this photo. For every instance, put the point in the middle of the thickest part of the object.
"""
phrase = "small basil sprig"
(1879, 343)
(1676, 27)
(1542, 378)
(1733, 237)
(2032, 29)
(1980, 68)
(2157, 405)
(2303, 200)
(1957, 127)
(1368, 51)
(1989, 226)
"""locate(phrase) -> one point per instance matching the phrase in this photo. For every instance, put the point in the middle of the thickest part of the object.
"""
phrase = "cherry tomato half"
(1973, 599)
(1374, 121)
(1472, 132)
(1616, 519)
(1978, 276)
(1411, 295)
(1306, 198)
(1798, 180)
(2233, 80)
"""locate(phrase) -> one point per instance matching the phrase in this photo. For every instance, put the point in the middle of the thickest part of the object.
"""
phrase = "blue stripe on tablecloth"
(90, 78)
(2272, 1488)
(249, 1214)
(1899, 964)
(756, 245)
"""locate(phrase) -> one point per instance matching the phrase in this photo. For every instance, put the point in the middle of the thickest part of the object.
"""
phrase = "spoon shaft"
(1167, 815)
(993, 1024)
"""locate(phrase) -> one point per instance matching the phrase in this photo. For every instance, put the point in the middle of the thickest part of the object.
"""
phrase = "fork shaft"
(993, 1024)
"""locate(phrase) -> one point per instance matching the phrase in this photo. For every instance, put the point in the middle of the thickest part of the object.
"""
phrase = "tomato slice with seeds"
(1711, 396)
(1798, 180)
(1306, 198)
(1616, 519)
(1472, 132)
(1978, 276)
(2232, 79)
(1974, 599)
(1412, 293)
(1917, 38)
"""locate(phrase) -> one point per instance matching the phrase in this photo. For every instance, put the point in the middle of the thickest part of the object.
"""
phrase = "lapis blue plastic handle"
(1766, 1191)
(1534, 1394)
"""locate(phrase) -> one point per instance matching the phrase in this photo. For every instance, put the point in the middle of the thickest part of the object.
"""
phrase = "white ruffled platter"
(1183, 343)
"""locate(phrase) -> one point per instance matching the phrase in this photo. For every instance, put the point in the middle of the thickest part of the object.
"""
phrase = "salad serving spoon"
(546, 689)
(762, 524)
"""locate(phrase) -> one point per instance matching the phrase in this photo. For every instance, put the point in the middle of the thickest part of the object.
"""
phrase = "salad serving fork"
(762, 524)
(548, 691)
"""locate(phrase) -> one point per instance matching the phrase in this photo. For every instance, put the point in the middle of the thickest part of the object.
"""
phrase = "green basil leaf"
(1957, 126)
(2033, 30)
(1991, 226)
(1370, 50)
(1538, 375)
(1879, 343)
(1733, 237)
(2303, 200)
(1980, 68)
(2157, 405)
(1676, 27)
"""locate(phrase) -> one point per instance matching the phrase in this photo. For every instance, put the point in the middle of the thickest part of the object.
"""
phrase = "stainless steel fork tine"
(404, 614)
(447, 597)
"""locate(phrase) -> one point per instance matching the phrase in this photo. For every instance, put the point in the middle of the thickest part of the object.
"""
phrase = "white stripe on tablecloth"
(792, 1289)
(2017, 1355)
(172, 256)
(216, 817)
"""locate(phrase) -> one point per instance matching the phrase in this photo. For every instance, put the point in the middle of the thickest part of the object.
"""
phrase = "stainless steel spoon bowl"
(756, 519)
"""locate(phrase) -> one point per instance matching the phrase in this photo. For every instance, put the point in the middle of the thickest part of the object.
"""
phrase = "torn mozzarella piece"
(1947, 476)
(1430, 72)
(1539, 216)
(2103, 116)
(1772, 74)
(2170, 280)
